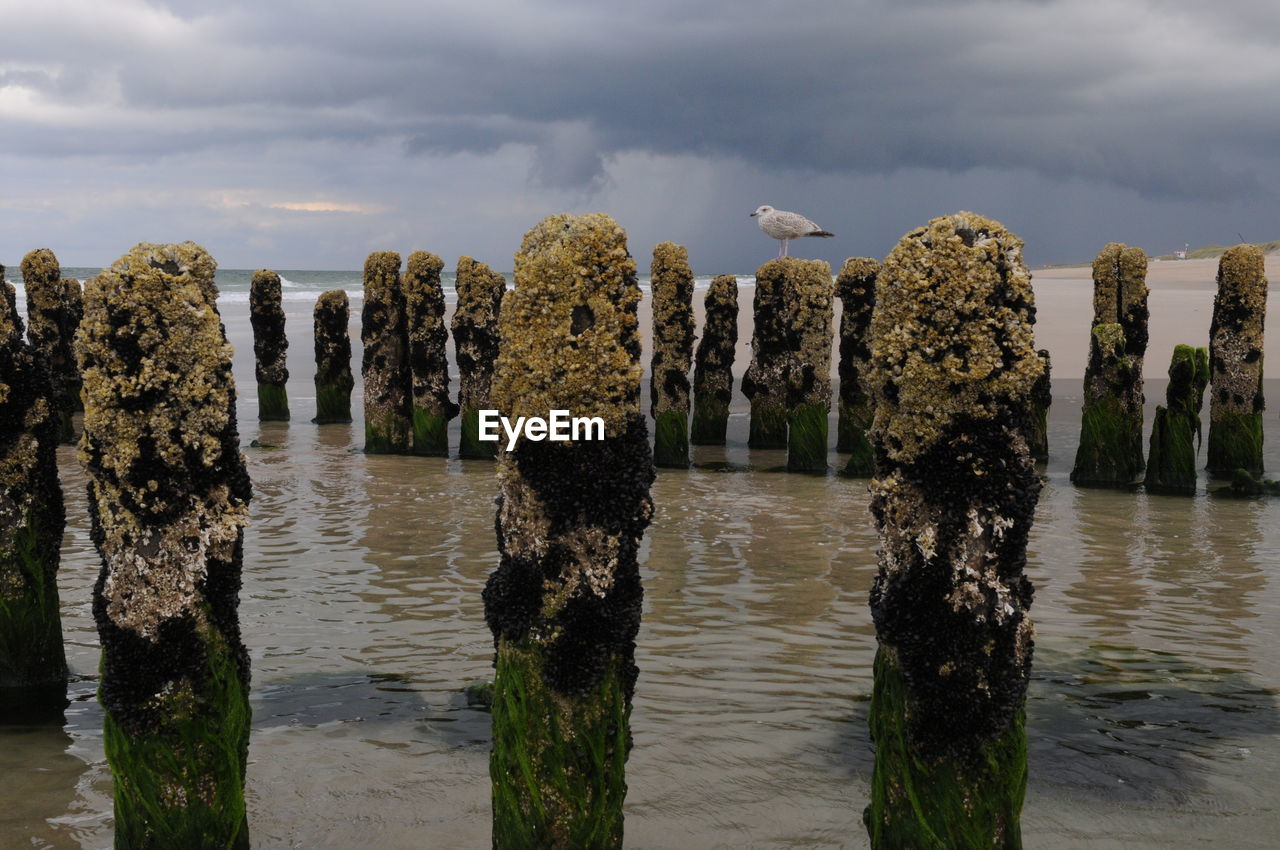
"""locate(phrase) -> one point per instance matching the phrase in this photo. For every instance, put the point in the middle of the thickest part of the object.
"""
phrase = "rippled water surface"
(1152, 715)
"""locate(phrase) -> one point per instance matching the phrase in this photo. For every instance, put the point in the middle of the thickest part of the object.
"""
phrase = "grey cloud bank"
(306, 135)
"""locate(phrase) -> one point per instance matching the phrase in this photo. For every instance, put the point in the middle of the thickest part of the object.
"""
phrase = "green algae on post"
(672, 288)
(334, 381)
(1175, 433)
(428, 368)
(54, 309)
(564, 603)
(713, 363)
(388, 408)
(953, 366)
(168, 500)
(1110, 451)
(856, 287)
(33, 665)
(1235, 363)
(270, 346)
(475, 345)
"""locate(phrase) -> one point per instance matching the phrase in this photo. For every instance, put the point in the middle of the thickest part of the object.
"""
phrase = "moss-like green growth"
(54, 308)
(856, 287)
(807, 438)
(559, 765)
(952, 370)
(1175, 434)
(672, 287)
(168, 501)
(270, 346)
(163, 797)
(1110, 452)
(1038, 417)
(428, 367)
(475, 345)
(1244, 484)
(791, 363)
(333, 379)
(388, 407)
(713, 363)
(33, 667)
(1235, 363)
(564, 604)
(924, 801)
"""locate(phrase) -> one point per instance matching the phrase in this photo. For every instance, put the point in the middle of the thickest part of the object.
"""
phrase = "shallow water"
(1153, 715)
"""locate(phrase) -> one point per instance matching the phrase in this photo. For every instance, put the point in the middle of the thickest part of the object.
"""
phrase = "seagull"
(785, 226)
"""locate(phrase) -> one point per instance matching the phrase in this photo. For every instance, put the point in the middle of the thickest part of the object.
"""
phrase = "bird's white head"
(761, 210)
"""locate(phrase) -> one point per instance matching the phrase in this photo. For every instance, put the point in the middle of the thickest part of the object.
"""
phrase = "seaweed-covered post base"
(562, 758)
(1235, 363)
(1111, 418)
(469, 443)
(807, 438)
(33, 666)
(564, 603)
(768, 428)
(1175, 433)
(168, 522)
(333, 380)
(671, 439)
(945, 800)
(953, 498)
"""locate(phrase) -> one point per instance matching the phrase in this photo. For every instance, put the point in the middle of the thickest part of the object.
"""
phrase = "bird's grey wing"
(789, 225)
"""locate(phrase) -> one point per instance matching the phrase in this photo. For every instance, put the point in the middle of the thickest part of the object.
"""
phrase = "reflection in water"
(39, 785)
(1152, 713)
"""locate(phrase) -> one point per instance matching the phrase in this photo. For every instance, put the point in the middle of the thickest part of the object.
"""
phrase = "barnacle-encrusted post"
(334, 381)
(955, 490)
(1038, 416)
(1171, 466)
(1235, 363)
(424, 313)
(764, 382)
(53, 311)
(270, 346)
(388, 413)
(856, 287)
(33, 667)
(168, 501)
(1110, 451)
(808, 304)
(564, 603)
(713, 363)
(475, 345)
(672, 286)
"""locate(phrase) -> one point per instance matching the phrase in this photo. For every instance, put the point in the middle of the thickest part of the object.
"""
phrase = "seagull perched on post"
(785, 226)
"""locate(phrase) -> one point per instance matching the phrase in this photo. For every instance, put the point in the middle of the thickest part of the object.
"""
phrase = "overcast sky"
(300, 134)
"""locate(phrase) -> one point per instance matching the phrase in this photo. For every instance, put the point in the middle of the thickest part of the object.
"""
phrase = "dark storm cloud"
(1148, 96)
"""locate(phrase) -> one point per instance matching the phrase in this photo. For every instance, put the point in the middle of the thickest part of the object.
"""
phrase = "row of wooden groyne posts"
(946, 407)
